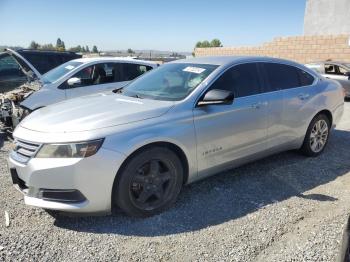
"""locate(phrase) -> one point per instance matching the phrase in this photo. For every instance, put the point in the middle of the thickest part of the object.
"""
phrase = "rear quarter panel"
(329, 96)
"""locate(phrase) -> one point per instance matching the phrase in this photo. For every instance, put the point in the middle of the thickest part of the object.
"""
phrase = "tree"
(94, 49)
(215, 43)
(83, 50)
(34, 45)
(47, 47)
(205, 44)
(87, 49)
(199, 44)
(58, 43)
(76, 49)
(60, 46)
(130, 51)
(63, 46)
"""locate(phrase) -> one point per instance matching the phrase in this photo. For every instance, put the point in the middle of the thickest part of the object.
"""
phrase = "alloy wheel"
(152, 184)
(319, 136)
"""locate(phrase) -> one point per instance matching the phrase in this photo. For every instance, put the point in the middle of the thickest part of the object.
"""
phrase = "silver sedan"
(137, 146)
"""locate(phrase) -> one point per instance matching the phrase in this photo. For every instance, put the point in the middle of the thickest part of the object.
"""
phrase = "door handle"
(303, 96)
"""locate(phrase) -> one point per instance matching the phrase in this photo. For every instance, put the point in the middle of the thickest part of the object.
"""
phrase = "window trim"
(261, 77)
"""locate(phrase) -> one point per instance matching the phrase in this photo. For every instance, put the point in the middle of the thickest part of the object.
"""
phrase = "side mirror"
(74, 81)
(217, 97)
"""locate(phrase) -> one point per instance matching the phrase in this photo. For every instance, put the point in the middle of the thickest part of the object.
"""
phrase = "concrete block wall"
(302, 49)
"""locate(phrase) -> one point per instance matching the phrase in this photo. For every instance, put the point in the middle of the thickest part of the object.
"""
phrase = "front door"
(226, 133)
(93, 79)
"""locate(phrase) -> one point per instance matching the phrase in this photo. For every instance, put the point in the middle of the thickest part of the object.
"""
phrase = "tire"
(317, 136)
(149, 183)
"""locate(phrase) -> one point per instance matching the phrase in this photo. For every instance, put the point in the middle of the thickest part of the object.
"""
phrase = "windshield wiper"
(118, 90)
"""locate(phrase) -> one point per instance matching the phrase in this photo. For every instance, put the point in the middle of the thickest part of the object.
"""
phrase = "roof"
(23, 50)
(112, 59)
(228, 60)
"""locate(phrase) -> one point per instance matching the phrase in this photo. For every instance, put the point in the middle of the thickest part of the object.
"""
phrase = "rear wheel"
(317, 135)
(149, 183)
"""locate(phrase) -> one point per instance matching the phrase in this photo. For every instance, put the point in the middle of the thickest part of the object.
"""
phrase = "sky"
(148, 24)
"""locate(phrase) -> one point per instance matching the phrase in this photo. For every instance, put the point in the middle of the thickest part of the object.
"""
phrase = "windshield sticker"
(69, 67)
(192, 69)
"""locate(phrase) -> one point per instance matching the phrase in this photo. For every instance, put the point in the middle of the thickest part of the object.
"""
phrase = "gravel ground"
(282, 208)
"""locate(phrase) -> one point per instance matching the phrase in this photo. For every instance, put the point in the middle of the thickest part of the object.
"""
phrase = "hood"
(93, 112)
(27, 68)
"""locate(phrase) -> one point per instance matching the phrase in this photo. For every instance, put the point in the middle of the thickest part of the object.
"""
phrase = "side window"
(95, 75)
(132, 71)
(342, 71)
(331, 69)
(281, 76)
(242, 79)
(305, 78)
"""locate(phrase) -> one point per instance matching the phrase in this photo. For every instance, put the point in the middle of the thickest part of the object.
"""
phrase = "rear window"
(305, 78)
(132, 71)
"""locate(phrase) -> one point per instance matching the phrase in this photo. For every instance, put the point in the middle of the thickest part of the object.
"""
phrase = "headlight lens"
(74, 150)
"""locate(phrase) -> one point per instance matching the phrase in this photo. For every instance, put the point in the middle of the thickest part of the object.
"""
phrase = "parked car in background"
(136, 147)
(339, 71)
(17, 66)
(74, 78)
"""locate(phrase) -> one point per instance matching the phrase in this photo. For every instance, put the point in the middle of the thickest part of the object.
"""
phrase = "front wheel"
(316, 137)
(149, 183)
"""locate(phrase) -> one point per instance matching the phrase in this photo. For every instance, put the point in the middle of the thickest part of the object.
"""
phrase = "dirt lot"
(282, 208)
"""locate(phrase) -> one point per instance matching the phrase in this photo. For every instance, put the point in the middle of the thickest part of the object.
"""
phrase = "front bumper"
(92, 177)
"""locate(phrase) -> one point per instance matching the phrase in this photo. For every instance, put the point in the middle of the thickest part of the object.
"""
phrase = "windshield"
(56, 73)
(171, 82)
(347, 65)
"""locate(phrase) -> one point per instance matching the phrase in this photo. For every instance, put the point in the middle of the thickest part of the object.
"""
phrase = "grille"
(24, 151)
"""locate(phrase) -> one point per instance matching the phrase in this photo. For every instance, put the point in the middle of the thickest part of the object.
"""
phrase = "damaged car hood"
(94, 112)
(27, 68)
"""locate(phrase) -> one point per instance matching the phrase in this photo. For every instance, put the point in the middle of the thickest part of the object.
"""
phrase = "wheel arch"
(327, 113)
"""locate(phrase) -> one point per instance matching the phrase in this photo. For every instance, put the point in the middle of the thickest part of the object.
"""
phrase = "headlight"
(74, 150)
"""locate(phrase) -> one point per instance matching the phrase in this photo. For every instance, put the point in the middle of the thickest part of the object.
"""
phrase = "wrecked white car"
(74, 78)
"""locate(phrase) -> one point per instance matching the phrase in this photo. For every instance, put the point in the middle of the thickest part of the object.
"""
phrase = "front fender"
(179, 133)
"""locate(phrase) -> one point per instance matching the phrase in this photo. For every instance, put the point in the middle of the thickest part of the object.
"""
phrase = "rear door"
(291, 88)
(226, 133)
